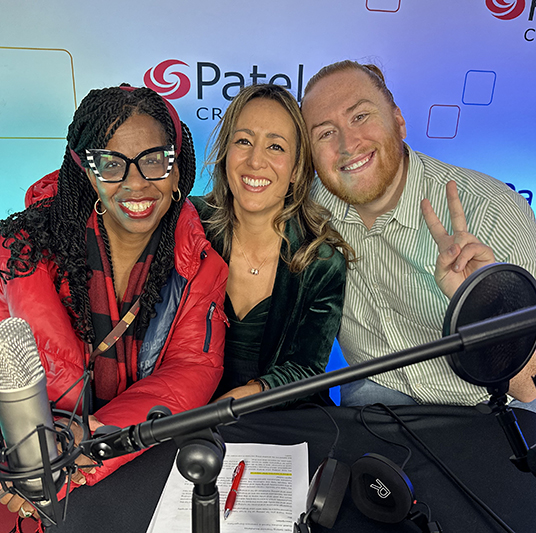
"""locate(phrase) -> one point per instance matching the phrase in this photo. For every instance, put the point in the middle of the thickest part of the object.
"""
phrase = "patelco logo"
(212, 82)
(155, 79)
(506, 9)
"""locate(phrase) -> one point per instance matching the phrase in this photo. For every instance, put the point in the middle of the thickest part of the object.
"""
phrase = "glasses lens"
(110, 167)
(155, 164)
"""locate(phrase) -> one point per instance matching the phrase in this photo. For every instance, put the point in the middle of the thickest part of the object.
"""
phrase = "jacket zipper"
(208, 335)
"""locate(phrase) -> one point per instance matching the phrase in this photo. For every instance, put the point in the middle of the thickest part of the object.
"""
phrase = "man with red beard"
(380, 194)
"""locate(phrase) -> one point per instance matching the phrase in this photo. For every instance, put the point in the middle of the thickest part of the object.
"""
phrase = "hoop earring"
(96, 208)
(173, 196)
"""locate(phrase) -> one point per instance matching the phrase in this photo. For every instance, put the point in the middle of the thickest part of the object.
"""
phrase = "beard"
(387, 167)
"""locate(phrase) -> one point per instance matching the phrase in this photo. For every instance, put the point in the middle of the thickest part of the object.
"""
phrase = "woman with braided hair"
(109, 236)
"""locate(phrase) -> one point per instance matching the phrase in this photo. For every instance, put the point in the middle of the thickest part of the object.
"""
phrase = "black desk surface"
(470, 443)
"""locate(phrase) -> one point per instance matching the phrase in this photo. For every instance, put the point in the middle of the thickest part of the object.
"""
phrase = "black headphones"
(325, 495)
(380, 490)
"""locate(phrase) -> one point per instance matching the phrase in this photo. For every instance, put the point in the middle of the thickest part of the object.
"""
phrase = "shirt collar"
(337, 207)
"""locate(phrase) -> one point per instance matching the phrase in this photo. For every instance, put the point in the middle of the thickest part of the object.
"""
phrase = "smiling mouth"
(256, 182)
(138, 207)
(357, 164)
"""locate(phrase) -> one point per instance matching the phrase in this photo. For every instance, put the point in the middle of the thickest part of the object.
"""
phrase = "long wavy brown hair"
(311, 218)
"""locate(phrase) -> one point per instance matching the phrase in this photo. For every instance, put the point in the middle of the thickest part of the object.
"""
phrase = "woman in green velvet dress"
(285, 290)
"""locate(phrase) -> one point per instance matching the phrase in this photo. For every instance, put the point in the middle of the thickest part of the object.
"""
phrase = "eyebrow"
(347, 112)
(252, 133)
(357, 104)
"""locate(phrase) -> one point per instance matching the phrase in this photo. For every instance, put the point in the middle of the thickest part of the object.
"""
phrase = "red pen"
(237, 476)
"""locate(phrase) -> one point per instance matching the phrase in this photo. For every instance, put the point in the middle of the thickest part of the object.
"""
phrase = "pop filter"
(491, 291)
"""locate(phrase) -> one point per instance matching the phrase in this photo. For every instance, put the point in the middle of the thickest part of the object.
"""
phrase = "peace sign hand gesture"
(461, 253)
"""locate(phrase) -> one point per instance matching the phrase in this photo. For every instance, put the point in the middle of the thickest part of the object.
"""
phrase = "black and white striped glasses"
(112, 167)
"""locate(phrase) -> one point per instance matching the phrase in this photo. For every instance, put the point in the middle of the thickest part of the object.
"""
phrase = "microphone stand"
(190, 427)
(200, 460)
(524, 458)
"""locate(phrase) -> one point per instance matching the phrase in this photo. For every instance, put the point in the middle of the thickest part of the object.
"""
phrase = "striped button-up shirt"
(392, 301)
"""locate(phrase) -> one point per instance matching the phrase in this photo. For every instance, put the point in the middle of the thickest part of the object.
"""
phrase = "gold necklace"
(252, 270)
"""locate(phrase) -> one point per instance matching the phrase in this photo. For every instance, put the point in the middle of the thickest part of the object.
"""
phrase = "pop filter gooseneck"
(491, 291)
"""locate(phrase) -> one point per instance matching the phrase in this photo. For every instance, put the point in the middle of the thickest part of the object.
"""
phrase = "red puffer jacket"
(187, 368)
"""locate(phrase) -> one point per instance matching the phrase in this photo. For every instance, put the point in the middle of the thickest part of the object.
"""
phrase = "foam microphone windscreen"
(24, 405)
(20, 365)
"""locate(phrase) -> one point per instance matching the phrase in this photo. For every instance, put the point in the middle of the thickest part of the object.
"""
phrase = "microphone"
(24, 407)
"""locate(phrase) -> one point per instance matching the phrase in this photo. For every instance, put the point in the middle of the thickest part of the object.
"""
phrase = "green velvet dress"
(242, 345)
(303, 317)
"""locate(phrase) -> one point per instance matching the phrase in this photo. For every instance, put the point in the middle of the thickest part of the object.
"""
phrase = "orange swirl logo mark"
(504, 9)
(155, 79)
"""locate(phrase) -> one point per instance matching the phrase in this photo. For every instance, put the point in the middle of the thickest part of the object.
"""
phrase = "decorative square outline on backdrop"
(383, 10)
(492, 88)
(72, 76)
(430, 116)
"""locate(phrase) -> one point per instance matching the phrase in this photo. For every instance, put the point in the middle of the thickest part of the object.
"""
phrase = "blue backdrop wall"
(463, 71)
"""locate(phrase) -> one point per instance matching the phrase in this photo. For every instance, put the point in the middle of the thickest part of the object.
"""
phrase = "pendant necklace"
(252, 270)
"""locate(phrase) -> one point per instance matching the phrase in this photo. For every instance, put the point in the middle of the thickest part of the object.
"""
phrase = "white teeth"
(255, 182)
(356, 165)
(137, 207)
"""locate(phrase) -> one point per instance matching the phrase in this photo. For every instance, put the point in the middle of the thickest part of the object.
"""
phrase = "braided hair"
(55, 228)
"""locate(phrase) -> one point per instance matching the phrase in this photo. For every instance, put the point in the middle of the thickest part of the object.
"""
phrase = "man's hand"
(523, 386)
(461, 253)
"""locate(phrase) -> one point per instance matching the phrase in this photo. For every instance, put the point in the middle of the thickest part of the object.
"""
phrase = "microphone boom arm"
(228, 411)
(117, 442)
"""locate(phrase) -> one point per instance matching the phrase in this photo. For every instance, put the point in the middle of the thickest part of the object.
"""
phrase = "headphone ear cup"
(380, 489)
(327, 490)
